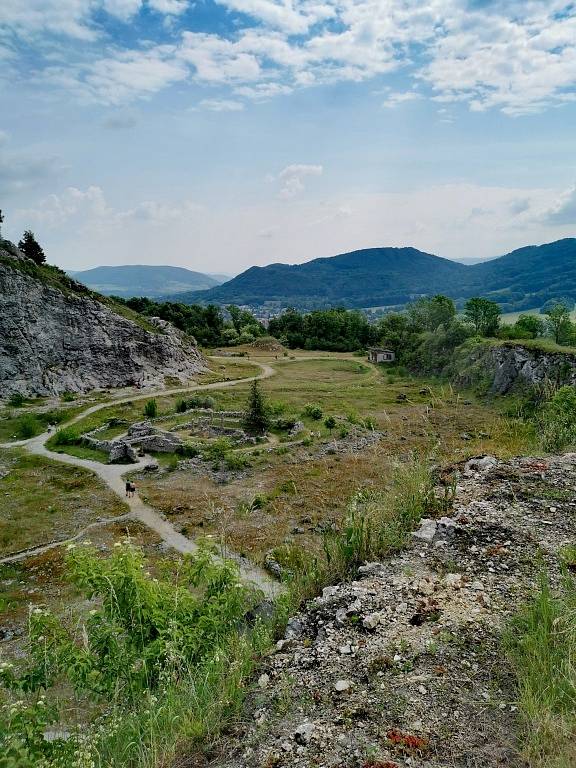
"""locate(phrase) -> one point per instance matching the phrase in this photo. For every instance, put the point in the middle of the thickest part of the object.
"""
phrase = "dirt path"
(113, 476)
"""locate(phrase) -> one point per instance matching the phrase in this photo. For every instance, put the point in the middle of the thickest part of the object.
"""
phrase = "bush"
(201, 401)
(151, 409)
(312, 411)
(285, 425)
(235, 460)
(66, 436)
(68, 397)
(557, 420)
(165, 656)
(217, 450)
(17, 400)
(181, 406)
(330, 423)
(28, 426)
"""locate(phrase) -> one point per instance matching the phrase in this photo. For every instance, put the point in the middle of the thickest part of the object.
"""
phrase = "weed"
(541, 644)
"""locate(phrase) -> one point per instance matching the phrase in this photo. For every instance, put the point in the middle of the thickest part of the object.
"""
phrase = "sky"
(219, 134)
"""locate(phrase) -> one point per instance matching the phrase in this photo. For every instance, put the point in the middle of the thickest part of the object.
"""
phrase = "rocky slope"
(505, 367)
(404, 666)
(56, 336)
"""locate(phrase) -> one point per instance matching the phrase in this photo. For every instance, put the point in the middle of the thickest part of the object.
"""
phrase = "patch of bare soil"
(404, 666)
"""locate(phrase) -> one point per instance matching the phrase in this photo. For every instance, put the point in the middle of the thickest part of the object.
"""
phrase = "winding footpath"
(113, 476)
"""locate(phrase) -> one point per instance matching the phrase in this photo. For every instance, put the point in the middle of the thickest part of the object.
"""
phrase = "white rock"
(371, 621)
(345, 650)
(304, 733)
(342, 685)
(426, 531)
(454, 580)
(264, 681)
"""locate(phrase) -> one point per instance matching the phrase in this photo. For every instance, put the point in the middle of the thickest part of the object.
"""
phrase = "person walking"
(128, 488)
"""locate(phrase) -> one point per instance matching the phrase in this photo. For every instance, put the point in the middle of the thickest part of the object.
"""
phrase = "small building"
(380, 355)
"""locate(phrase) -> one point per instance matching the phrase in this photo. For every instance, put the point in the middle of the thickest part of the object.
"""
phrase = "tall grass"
(542, 646)
(377, 524)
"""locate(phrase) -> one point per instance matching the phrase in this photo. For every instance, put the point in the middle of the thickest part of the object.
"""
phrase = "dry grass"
(42, 500)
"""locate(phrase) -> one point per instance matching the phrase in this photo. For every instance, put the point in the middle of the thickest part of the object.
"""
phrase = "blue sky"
(217, 135)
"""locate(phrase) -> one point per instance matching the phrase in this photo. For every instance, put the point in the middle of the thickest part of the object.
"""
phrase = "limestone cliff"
(502, 368)
(57, 336)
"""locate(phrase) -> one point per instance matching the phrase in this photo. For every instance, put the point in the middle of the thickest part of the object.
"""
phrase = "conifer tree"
(256, 420)
(31, 248)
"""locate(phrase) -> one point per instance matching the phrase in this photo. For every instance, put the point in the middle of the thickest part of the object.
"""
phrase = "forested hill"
(375, 277)
(362, 278)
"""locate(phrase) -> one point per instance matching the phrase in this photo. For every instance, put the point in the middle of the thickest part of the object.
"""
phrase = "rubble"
(404, 666)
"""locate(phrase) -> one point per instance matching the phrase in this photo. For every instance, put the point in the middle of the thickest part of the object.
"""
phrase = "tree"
(1, 222)
(256, 419)
(483, 314)
(532, 324)
(31, 248)
(559, 324)
(330, 423)
(430, 313)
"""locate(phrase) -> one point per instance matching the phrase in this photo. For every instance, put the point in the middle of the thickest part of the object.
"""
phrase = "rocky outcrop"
(56, 336)
(504, 367)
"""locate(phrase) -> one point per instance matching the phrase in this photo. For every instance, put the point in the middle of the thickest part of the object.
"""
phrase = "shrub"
(151, 409)
(235, 460)
(330, 423)
(17, 400)
(285, 424)
(312, 411)
(201, 401)
(68, 397)
(66, 436)
(28, 426)
(217, 450)
(181, 406)
(558, 420)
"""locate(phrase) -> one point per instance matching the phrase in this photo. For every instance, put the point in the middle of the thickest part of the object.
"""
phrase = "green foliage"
(16, 400)
(332, 329)
(188, 450)
(151, 642)
(30, 247)
(430, 313)
(557, 420)
(200, 401)
(236, 460)
(68, 397)
(218, 449)
(541, 644)
(256, 419)
(330, 423)
(151, 409)
(181, 406)
(312, 411)
(484, 315)
(559, 324)
(28, 426)
(65, 436)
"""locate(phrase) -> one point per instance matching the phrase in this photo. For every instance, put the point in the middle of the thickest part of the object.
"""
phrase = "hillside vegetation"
(376, 277)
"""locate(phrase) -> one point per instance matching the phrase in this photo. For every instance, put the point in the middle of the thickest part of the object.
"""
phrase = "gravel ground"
(404, 666)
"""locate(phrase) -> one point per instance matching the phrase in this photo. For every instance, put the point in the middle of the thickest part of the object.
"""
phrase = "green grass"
(42, 500)
(542, 646)
(81, 452)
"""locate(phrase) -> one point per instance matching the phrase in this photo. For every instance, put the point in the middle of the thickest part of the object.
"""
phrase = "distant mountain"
(144, 280)
(377, 277)
(364, 278)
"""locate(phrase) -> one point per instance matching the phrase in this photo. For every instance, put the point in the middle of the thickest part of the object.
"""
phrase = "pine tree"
(31, 248)
(1, 222)
(256, 420)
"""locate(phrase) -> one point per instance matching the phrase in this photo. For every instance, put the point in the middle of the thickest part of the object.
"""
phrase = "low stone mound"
(268, 344)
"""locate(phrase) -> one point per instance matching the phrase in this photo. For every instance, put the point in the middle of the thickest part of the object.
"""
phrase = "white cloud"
(292, 179)
(518, 57)
(563, 209)
(395, 99)
(21, 171)
(221, 105)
